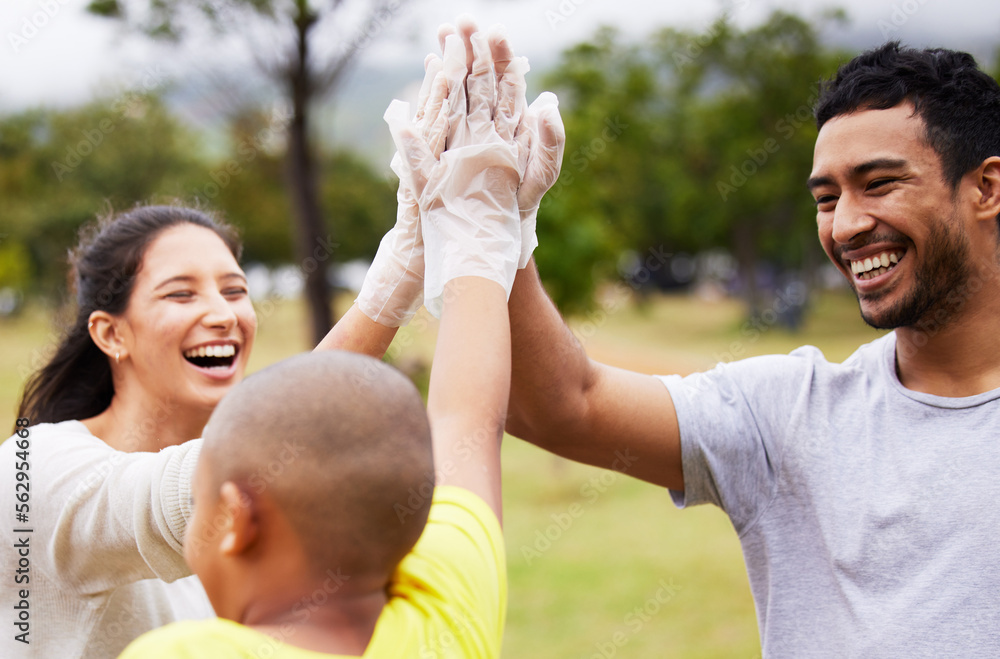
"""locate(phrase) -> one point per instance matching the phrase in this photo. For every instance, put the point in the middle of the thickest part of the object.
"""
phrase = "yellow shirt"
(448, 598)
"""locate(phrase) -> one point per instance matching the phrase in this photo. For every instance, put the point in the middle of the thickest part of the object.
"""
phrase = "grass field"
(600, 565)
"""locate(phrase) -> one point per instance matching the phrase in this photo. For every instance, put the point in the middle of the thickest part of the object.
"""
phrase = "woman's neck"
(141, 424)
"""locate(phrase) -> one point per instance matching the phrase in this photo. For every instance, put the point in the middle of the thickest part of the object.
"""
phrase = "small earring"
(90, 325)
(117, 357)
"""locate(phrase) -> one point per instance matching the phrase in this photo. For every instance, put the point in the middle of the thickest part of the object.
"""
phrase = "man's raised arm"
(566, 403)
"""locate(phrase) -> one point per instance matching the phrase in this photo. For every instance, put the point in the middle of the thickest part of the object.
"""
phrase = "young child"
(330, 518)
(314, 484)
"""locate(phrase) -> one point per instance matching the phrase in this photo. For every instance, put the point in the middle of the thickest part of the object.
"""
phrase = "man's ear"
(987, 201)
(241, 528)
(106, 333)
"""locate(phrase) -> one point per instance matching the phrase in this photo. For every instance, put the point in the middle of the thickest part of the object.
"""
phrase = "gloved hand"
(467, 195)
(394, 285)
(542, 135)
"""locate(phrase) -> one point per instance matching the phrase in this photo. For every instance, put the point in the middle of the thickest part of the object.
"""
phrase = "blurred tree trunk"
(313, 248)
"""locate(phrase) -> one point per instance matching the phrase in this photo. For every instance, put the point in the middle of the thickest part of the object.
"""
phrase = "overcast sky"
(54, 54)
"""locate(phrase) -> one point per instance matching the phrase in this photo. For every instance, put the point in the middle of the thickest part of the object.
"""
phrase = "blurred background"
(680, 232)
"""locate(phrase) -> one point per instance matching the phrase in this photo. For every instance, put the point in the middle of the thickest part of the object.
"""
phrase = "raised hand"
(467, 195)
(394, 285)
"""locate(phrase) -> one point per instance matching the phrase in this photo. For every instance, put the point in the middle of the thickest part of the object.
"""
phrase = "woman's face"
(189, 324)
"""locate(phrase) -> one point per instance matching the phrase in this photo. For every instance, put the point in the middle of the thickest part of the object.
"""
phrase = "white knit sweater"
(104, 561)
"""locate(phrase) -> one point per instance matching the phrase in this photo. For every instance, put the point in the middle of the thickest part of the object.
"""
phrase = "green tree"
(697, 140)
(57, 168)
(300, 71)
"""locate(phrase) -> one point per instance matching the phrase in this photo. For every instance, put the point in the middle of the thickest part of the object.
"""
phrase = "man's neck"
(954, 360)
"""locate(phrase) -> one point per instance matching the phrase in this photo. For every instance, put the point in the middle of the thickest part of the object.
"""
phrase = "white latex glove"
(394, 285)
(540, 134)
(468, 195)
(543, 137)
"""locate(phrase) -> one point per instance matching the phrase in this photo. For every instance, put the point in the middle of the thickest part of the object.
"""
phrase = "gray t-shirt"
(869, 514)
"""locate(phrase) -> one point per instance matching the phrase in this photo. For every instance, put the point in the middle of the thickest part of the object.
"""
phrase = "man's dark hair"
(959, 104)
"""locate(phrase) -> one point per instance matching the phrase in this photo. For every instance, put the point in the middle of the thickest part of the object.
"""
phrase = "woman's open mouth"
(218, 356)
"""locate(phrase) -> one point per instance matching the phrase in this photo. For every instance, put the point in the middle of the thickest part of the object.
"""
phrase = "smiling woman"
(163, 329)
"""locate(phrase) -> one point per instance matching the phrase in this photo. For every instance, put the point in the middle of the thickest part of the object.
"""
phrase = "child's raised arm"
(471, 232)
(470, 385)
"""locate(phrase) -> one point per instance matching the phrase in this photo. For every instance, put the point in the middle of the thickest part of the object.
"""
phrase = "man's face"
(886, 216)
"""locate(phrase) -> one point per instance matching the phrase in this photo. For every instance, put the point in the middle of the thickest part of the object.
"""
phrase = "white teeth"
(212, 351)
(883, 260)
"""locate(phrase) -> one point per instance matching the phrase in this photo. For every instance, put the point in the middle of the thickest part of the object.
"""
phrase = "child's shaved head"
(339, 441)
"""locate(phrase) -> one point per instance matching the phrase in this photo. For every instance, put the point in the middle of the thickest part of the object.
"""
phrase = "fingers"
(511, 98)
(455, 71)
(543, 133)
(434, 129)
(481, 83)
(416, 158)
(466, 28)
(444, 31)
(499, 49)
(552, 133)
(432, 66)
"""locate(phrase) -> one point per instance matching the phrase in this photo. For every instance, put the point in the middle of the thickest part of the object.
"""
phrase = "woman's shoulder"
(63, 431)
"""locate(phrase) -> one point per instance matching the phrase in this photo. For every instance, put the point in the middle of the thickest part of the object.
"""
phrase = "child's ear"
(241, 520)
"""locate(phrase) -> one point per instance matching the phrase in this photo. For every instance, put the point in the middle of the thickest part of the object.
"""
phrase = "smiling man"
(864, 493)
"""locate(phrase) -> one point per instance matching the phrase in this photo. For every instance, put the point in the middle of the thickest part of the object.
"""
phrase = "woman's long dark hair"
(76, 383)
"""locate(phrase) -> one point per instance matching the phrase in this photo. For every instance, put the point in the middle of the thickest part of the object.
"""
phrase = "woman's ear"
(241, 520)
(105, 331)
